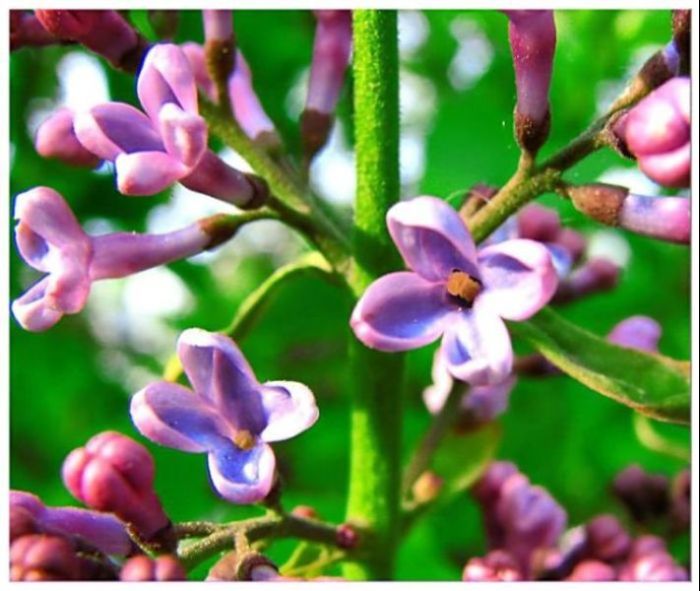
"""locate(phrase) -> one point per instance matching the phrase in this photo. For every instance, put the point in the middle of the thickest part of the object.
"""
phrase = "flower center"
(244, 440)
(463, 286)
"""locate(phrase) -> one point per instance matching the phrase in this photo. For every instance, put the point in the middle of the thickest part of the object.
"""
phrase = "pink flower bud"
(347, 536)
(657, 132)
(596, 275)
(114, 474)
(664, 218)
(644, 495)
(655, 566)
(607, 540)
(218, 25)
(497, 565)
(592, 570)
(637, 332)
(538, 223)
(144, 568)
(55, 138)
(26, 30)
(43, 558)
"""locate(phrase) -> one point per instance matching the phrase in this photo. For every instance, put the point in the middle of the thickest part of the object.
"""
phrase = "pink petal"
(290, 408)
(184, 134)
(432, 238)
(242, 476)
(32, 310)
(147, 173)
(518, 278)
(400, 311)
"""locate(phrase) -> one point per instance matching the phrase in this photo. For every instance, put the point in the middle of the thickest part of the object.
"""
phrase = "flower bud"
(536, 222)
(347, 536)
(533, 37)
(653, 567)
(114, 474)
(607, 541)
(573, 241)
(592, 570)
(644, 495)
(497, 565)
(427, 487)
(26, 30)
(55, 138)
(219, 47)
(40, 557)
(637, 332)
(305, 512)
(144, 568)
(645, 545)
(596, 275)
(22, 523)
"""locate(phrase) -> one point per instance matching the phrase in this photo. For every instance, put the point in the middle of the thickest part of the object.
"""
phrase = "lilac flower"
(453, 290)
(44, 558)
(56, 138)
(230, 415)
(657, 132)
(637, 332)
(592, 570)
(479, 403)
(145, 568)
(497, 565)
(50, 239)
(104, 532)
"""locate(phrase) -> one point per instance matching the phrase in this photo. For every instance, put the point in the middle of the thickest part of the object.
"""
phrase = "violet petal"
(242, 476)
(147, 173)
(290, 408)
(184, 134)
(32, 311)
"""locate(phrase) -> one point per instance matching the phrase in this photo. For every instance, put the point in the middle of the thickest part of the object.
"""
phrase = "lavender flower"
(56, 138)
(533, 39)
(497, 565)
(230, 415)
(606, 539)
(637, 332)
(104, 532)
(50, 239)
(453, 290)
(657, 132)
(145, 568)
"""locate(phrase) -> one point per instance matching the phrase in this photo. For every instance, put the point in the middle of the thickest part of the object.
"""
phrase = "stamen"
(244, 440)
(463, 286)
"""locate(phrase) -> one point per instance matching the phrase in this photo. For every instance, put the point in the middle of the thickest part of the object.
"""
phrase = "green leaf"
(462, 457)
(651, 384)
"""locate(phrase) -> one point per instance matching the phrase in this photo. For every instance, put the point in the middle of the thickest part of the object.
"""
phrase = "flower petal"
(432, 238)
(290, 408)
(477, 346)
(111, 129)
(518, 277)
(147, 173)
(435, 395)
(637, 332)
(174, 416)
(400, 311)
(220, 374)
(184, 134)
(485, 403)
(242, 476)
(562, 258)
(32, 311)
(166, 77)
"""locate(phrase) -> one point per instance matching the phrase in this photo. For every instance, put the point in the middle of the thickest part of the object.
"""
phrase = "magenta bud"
(596, 275)
(144, 568)
(114, 474)
(347, 536)
(43, 558)
(55, 138)
(607, 540)
(644, 495)
(592, 570)
(653, 567)
(637, 332)
(218, 24)
(657, 132)
(571, 240)
(103, 31)
(645, 545)
(533, 39)
(27, 31)
(497, 565)
(537, 222)
(22, 523)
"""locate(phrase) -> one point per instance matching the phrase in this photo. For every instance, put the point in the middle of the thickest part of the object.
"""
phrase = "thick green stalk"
(376, 383)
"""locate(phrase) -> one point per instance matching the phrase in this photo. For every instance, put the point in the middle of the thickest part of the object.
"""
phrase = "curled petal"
(518, 277)
(55, 138)
(111, 129)
(69, 285)
(172, 415)
(184, 134)
(102, 530)
(242, 476)
(432, 238)
(195, 55)
(147, 173)
(400, 311)
(671, 169)
(219, 373)
(290, 408)
(245, 103)
(637, 332)
(477, 346)
(436, 394)
(32, 311)
(166, 77)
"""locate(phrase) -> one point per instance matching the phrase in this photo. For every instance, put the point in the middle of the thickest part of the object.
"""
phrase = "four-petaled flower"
(453, 290)
(230, 415)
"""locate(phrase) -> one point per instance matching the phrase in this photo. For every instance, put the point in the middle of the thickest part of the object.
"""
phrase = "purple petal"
(184, 134)
(290, 408)
(242, 476)
(147, 173)
(562, 258)
(55, 138)
(518, 277)
(69, 285)
(400, 311)
(671, 169)
(432, 238)
(112, 129)
(477, 346)
(220, 374)
(435, 395)
(637, 332)
(485, 403)
(102, 530)
(32, 310)
(195, 56)
(166, 77)
(245, 103)
(174, 416)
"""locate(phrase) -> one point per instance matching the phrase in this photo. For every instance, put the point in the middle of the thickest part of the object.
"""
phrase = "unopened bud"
(637, 332)
(599, 201)
(43, 558)
(594, 276)
(653, 567)
(539, 223)
(592, 570)
(645, 545)
(305, 512)
(574, 242)
(497, 565)
(644, 495)
(145, 568)
(607, 541)
(22, 523)
(219, 47)
(27, 31)
(427, 487)
(255, 567)
(55, 138)
(346, 536)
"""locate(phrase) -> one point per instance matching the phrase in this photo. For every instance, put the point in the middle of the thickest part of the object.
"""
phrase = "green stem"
(376, 385)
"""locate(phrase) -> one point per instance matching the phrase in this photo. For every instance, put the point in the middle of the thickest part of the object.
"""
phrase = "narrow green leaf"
(653, 385)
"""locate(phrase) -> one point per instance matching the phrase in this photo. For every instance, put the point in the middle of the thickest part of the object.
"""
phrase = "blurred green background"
(457, 99)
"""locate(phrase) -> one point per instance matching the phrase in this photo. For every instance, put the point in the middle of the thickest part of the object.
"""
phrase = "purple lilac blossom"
(55, 138)
(50, 239)
(665, 218)
(103, 531)
(230, 415)
(218, 25)
(26, 30)
(637, 332)
(453, 290)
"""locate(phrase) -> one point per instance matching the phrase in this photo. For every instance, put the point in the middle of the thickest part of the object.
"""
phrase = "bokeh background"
(457, 97)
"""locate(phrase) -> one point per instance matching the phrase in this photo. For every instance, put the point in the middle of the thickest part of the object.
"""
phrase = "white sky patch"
(473, 56)
(417, 99)
(413, 32)
(332, 173)
(82, 81)
(632, 178)
(610, 245)
(412, 157)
